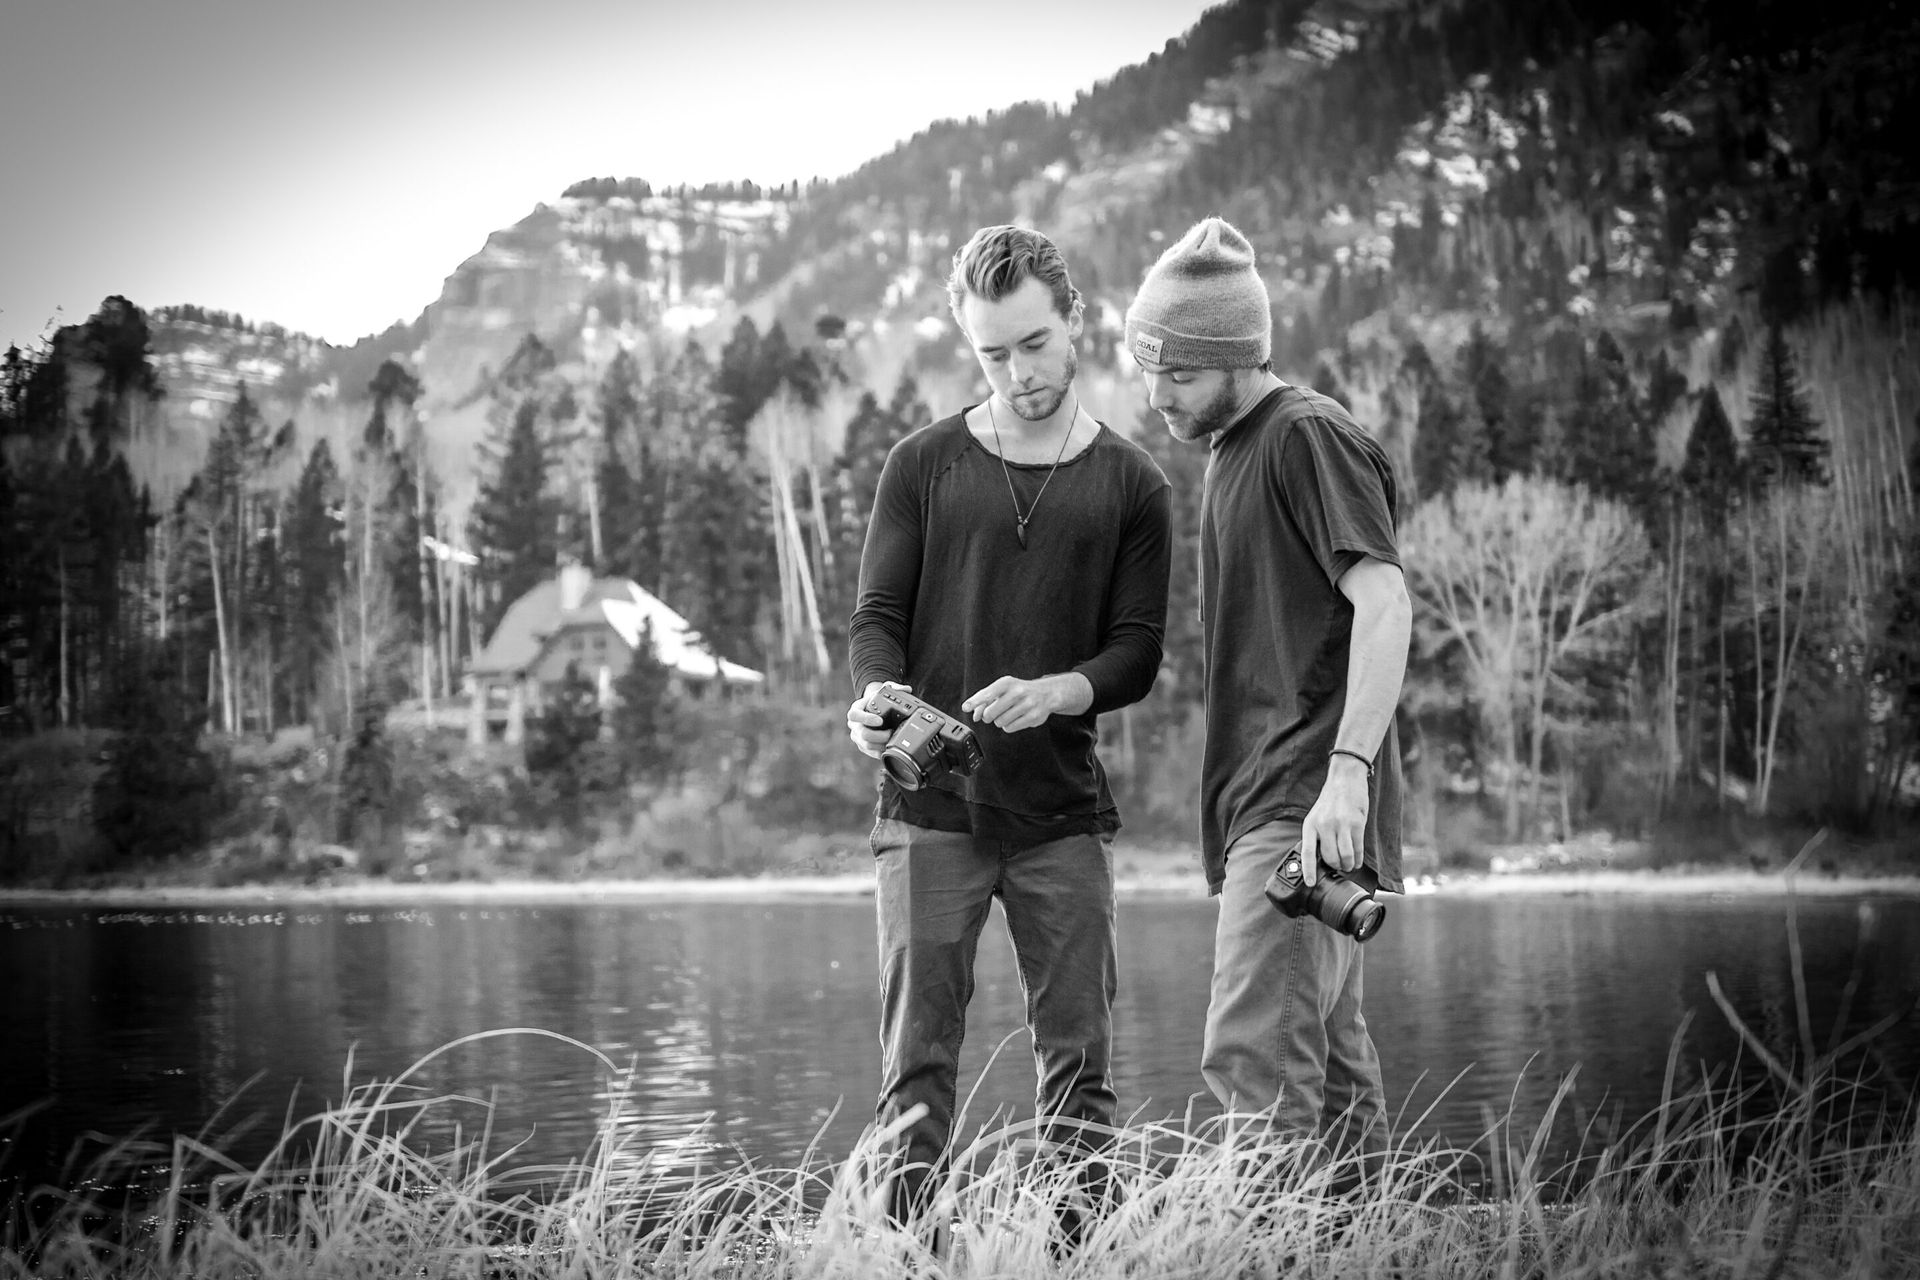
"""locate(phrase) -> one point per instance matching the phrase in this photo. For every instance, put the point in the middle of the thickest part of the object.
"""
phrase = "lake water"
(747, 1029)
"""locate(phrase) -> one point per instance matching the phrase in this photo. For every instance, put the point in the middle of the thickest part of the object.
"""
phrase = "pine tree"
(117, 342)
(716, 549)
(394, 391)
(160, 792)
(1471, 459)
(527, 367)
(871, 434)
(512, 526)
(1436, 432)
(716, 562)
(1783, 438)
(1484, 382)
(1329, 384)
(739, 381)
(314, 552)
(627, 483)
(392, 385)
(221, 515)
(118, 520)
(11, 720)
(1710, 473)
(646, 718)
(364, 792)
(1609, 440)
(560, 744)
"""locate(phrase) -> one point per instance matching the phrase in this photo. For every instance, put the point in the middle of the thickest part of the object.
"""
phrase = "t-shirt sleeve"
(1338, 493)
(889, 576)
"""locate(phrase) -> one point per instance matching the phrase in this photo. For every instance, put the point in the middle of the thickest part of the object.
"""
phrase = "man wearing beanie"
(1306, 621)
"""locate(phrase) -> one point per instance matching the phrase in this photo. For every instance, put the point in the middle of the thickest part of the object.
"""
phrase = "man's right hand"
(863, 726)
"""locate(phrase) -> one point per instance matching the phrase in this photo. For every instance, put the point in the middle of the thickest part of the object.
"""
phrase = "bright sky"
(326, 165)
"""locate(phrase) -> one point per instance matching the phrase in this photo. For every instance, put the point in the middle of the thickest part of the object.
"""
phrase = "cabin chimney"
(574, 581)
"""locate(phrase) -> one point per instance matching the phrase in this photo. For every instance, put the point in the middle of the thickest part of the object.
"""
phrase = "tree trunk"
(593, 519)
(1759, 667)
(1786, 649)
(223, 645)
(809, 600)
(423, 558)
(63, 700)
(1721, 715)
(1669, 708)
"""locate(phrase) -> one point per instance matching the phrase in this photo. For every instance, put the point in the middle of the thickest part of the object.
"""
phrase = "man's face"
(1025, 348)
(1194, 402)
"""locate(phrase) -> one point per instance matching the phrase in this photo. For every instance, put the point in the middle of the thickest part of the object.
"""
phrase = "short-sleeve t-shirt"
(1296, 494)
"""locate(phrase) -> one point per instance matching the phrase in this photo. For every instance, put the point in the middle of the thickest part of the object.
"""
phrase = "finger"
(1349, 853)
(1309, 855)
(996, 710)
(985, 695)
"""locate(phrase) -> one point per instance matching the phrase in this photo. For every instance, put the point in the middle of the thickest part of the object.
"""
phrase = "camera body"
(1343, 905)
(924, 742)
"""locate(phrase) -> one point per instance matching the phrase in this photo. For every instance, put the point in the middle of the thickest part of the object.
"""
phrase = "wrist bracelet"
(1342, 751)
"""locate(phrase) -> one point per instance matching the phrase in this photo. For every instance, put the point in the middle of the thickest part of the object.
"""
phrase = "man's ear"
(1076, 317)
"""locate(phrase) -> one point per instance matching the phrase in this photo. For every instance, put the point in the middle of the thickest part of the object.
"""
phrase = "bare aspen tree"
(1526, 577)
(1786, 540)
(792, 440)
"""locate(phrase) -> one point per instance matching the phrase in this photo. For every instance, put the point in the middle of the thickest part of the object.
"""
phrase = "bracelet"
(1342, 751)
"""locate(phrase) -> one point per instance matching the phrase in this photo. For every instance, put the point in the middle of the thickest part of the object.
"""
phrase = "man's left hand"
(1335, 829)
(1011, 704)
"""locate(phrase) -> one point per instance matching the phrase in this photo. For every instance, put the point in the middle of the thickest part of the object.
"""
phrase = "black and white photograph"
(1169, 638)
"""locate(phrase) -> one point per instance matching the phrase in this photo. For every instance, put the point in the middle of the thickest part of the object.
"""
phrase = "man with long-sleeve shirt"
(1014, 575)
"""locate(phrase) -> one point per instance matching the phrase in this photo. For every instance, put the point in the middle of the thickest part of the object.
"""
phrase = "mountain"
(1407, 169)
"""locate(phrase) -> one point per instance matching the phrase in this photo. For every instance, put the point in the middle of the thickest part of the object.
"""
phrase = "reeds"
(1796, 1176)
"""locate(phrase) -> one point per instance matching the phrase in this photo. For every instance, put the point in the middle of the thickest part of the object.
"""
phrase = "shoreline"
(1186, 883)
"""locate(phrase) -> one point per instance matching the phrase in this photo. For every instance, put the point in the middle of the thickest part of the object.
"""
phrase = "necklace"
(1020, 521)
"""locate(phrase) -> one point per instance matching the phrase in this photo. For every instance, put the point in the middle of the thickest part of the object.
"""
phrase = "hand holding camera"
(1343, 905)
(922, 742)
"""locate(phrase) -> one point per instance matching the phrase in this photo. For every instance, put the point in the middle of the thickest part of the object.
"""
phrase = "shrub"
(161, 789)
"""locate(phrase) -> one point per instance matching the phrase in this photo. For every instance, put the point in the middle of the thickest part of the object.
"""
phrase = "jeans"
(1285, 1035)
(933, 894)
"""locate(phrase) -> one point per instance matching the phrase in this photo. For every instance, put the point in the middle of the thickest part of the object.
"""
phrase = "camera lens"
(1365, 918)
(900, 766)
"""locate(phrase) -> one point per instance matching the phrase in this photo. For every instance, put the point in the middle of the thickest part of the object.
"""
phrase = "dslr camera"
(924, 741)
(1343, 905)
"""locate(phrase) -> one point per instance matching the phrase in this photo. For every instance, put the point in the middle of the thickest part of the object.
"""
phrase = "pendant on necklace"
(1020, 531)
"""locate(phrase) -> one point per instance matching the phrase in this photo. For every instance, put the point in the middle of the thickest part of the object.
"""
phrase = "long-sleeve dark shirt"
(950, 602)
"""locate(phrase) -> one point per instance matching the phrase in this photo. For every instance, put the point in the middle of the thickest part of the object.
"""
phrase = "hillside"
(1642, 168)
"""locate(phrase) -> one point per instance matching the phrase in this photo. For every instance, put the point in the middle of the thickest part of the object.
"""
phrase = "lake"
(747, 1028)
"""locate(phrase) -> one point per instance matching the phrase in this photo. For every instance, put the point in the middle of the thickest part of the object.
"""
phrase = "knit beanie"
(1202, 306)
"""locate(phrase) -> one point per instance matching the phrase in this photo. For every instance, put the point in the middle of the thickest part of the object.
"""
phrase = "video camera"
(924, 742)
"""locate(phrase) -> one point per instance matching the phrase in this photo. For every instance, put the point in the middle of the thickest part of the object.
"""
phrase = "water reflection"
(748, 1030)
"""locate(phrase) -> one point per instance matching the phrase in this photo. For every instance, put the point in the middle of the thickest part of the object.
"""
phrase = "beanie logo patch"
(1147, 347)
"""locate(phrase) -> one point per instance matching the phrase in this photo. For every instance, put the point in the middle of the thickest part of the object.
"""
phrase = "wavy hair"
(998, 260)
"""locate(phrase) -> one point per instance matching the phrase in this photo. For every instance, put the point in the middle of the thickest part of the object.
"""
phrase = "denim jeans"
(933, 894)
(1285, 1034)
